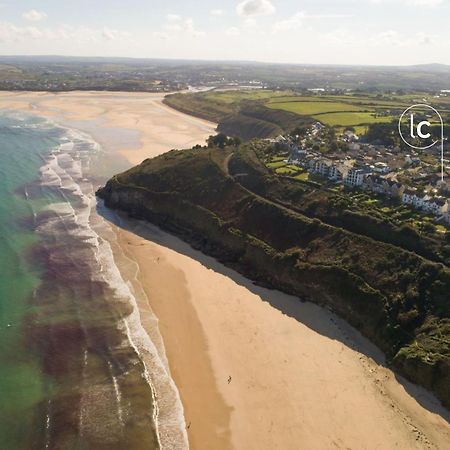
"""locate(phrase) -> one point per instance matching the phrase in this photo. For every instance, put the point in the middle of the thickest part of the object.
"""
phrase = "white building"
(355, 177)
(320, 166)
(434, 205)
(431, 204)
(381, 167)
(337, 172)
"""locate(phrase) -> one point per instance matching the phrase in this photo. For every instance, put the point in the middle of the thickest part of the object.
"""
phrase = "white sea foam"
(66, 169)
(47, 424)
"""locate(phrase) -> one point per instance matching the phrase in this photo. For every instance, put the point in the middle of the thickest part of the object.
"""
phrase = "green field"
(233, 96)
(333, 110)
(276, 164)
(286, 170)
(340, 111)
(351, 118)
(314, 107)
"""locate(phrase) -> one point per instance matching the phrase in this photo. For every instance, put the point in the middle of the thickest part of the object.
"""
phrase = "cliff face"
(396, 298)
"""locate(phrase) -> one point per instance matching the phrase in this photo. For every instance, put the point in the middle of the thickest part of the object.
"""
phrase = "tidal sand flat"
(255, 369)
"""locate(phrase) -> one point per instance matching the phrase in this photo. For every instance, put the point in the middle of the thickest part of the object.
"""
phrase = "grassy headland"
(239, 113)
(266, 113)
(287, 234)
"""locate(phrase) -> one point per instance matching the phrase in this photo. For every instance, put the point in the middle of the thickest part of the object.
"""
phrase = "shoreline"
(318, 375)
(187, 350)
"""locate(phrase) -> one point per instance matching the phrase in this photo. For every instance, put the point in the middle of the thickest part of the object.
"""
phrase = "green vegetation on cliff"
(239, 113)
(294, 237)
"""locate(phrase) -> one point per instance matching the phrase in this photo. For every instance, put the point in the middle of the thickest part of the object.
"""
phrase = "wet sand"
(135, 125)
(256, 369)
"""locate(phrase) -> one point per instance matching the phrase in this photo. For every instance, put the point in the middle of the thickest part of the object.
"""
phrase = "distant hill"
(430, 68)
(63, 73)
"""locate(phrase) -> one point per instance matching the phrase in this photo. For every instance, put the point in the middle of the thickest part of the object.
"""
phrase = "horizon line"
(245, 61)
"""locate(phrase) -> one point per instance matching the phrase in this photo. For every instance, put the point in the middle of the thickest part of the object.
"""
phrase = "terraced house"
(436, 205)
(355, 177)
(383, 185)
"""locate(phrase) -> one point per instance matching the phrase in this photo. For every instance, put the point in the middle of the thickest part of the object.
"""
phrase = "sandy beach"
(256, 369)
(134, 125)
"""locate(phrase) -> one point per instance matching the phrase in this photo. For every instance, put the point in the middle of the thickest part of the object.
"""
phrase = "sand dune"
(256, 369)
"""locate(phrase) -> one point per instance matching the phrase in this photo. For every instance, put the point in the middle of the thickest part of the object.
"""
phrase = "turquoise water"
(23, 145)
(72, 353)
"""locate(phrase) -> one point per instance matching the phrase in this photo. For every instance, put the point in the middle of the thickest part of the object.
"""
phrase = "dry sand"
(256, 369)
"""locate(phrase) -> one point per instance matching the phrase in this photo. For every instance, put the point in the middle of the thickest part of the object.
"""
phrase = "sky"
(376, 32)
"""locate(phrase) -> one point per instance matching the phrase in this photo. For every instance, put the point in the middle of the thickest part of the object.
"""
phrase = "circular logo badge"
(420, 126)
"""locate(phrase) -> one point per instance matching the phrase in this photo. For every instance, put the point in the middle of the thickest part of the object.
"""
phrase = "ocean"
(77, 370)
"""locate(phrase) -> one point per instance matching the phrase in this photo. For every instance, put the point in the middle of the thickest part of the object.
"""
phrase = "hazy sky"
(303, 31)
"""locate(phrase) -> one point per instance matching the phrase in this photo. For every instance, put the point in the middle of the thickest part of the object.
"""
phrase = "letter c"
(419, 129)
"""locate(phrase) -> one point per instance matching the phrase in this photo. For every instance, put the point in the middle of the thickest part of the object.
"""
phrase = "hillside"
(245, 116)
(223, 202)
(262, 113)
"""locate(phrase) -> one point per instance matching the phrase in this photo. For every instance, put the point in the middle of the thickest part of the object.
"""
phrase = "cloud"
(248, 8)
(293, 22)
(424, 3)
(161, 35)
(383, 39)
(389, 37)
(233, 31)
(173, 18)
(10, 32)
(190, 29)
(172, 27)
(393, 38)
(296, 21)
(217, 12)
(34, 16)
(176, 25)
(250, 23)
(328, 16)
(114, 35)
(339, 37)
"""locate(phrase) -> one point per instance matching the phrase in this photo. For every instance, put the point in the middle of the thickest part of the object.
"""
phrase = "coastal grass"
(315, 107)
(276, 164)
(236, 96)
(344, 119)
(258, 112)
(286, 170)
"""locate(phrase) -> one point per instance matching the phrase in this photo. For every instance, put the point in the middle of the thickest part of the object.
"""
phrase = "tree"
(428, 227)
(300, 131)
(236, 141)
(382, 132)
(219, 140)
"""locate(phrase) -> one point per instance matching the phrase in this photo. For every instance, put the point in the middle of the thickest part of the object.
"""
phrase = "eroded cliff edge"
(224, 202)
